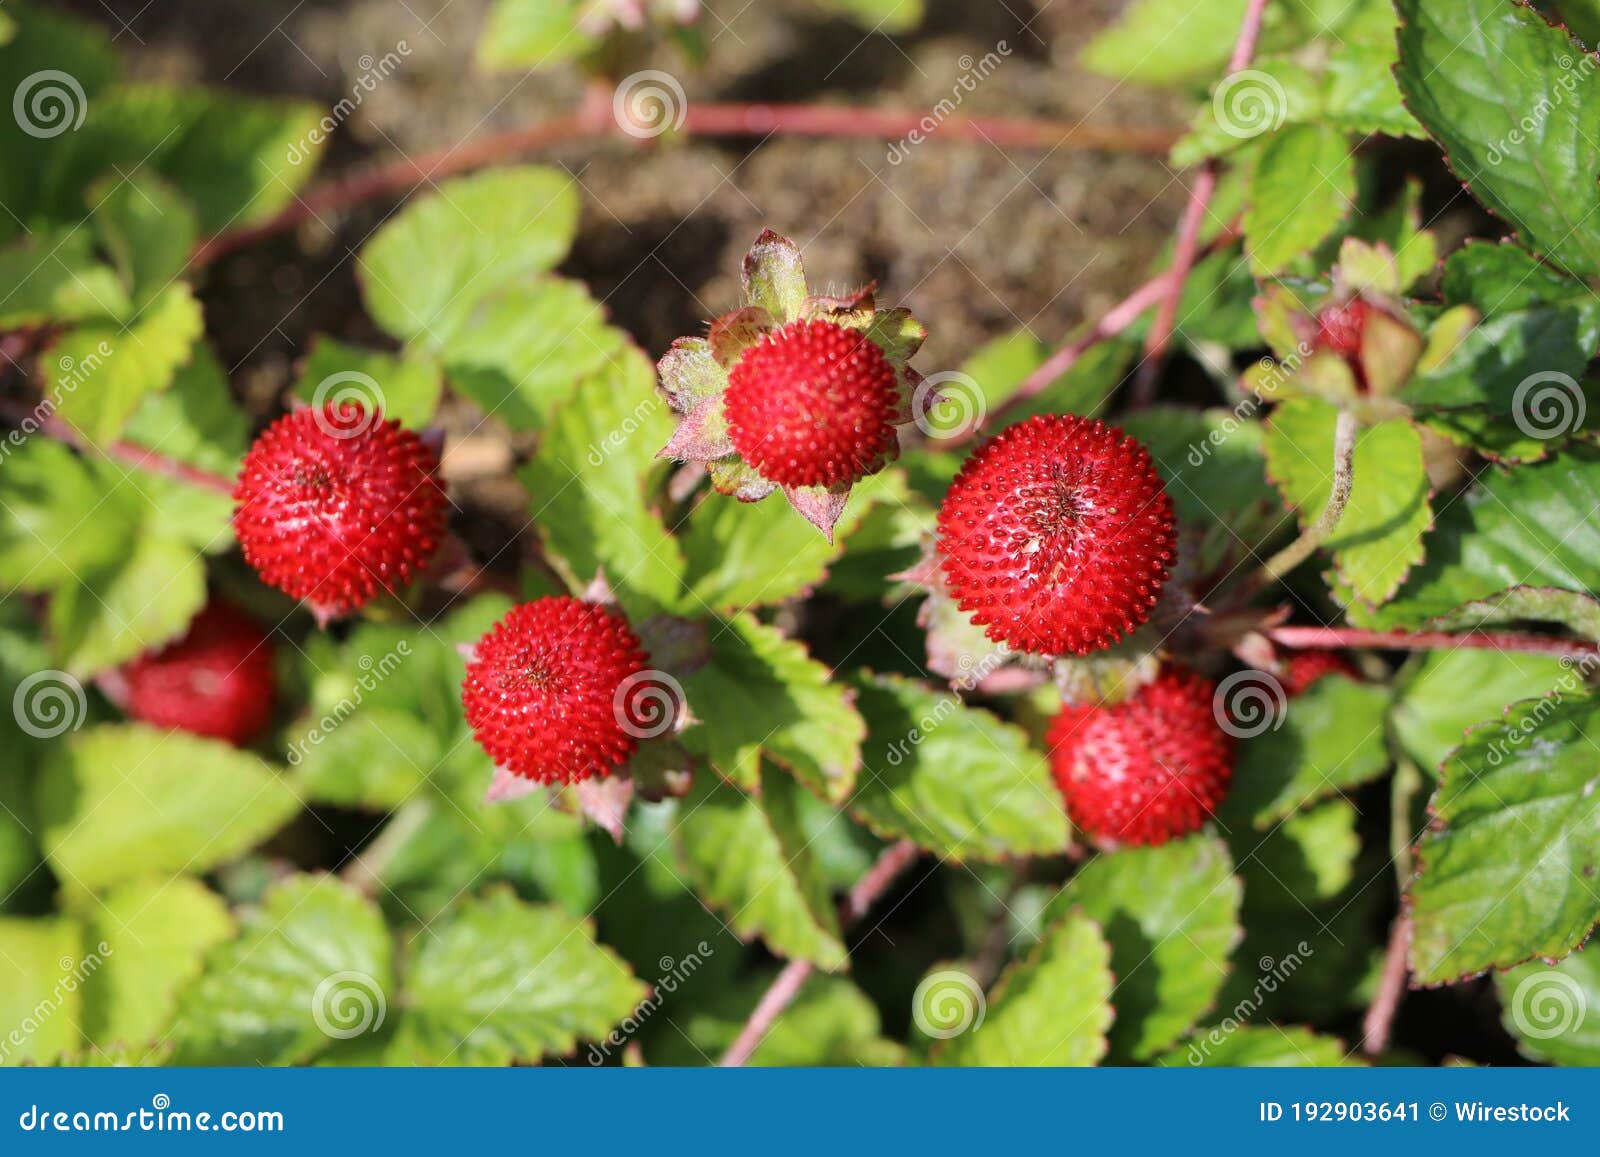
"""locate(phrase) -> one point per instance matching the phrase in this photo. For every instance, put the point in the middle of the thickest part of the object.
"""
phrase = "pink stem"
(867, 891)
(1194, 217)
(136, 456)
(594, 119)
(1335, 637)
(1375, 1027)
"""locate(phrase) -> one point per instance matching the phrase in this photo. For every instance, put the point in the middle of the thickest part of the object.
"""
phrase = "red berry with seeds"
(547, 692)
(1146, 770)
(1340, 328)
(1304, 668)
(813, 404)
(218, 680)
(1057, 535)
(336, 505)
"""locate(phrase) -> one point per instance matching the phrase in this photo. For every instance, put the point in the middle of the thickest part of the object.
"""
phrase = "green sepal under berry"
(694, 372)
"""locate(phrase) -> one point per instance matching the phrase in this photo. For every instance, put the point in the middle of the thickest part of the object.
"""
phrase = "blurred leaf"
(195, 420)
(1450, 691)
(40, 998)
(890, 17)
(405, 389)
(533, 34)
(52, 276)
(1554, 1010)
(121, 801)
(147, 228)
(1304, 186)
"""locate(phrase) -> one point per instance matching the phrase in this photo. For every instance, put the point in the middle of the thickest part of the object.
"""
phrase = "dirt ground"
(976, 241)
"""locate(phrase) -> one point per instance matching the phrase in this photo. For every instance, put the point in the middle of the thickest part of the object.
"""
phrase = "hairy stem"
(1302, 548)
(365, 870)
(894, 861)
(594, 120)
(1194, 218)
(1302, 638)
(1376, 1026)
(43, 420)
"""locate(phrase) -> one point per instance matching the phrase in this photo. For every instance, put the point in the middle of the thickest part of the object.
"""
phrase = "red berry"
(218, 680)
(1146, 770)
(1340, 328)
(1306, 667)
(1056, 535)
(547, 688)
(335, 505)
(813, 404)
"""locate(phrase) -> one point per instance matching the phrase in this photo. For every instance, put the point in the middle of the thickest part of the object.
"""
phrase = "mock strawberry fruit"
(547, 691)
(1056, 535)
(1306, 667)
(218, 680)
(1148, 769)
(335, 505)
(813, 404)
(1341, 327)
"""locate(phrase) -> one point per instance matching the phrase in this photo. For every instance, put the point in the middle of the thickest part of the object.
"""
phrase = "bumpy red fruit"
(813, 404)
(1056, 536)
(1306, 667)
(1340, 328)
(547, 691)
(336, 505)
(217, 680)
(1146, 770)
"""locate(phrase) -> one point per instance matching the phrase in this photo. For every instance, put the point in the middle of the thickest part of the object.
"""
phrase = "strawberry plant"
(519, 666)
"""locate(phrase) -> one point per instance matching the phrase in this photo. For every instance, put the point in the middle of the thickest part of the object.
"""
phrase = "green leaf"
(761, 693)
(148, 229)
(427, 269)
(1507, 874)
(128, 800)
(1471, 71)
(195, 420)
(100, 373)
(533, 34)
(589, 481)
(406, 389)
(1167, 42)
(62, 518)
(891, 17)
(1328, 739)
(40, 988)
(1554, 1010)
(1304, 187)
(154, 935)
(54, 276)
(498, 981)
(1449, 691)
(313, 967)
(1171, 915)
(952, 777)
(1379, 538)
(1519, 544)
(1052, 1008)
(1250, 1046)
(749, 858)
